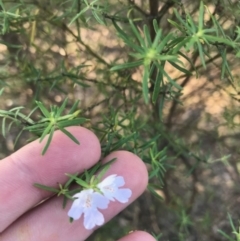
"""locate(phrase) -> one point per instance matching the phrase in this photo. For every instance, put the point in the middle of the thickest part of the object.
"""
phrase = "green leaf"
(27, 118)
(200, 50)
(155, 25)
(48, 141)
(73, 122)
(180, 68)
(157, 39)
(174, 43)
(2, 6)
(50, 189)
(188, 59)
(70, 180)
(78, 180)
(163, 43)
(17, 109)
(214, 39)
(94, 169)
(153, 173)
(145, 84)
(82, 183)
(1, 91)
(123, 141)
(147, 36)
(4, 127)
(87, 176)
(167, 57)
(231, 223)
(149, 143)
(192, 28)
(65, 199)
(136, 32)
(161, 105)
(180, 18)
(78, 15)
(10, 45)
(97, 17)
(10, 125)
(140, 51)
(127, 65)
(67, 133)
(176, 25)
(45, 112)
(121, 33)
(76, 81)
(17, 138)
(152, 190)
(46, 131)
(201, 16)
(156, 89)
(225, 235)
(74, 107)
(61, 109)
(175, 84)
(238, 54)
(37, 126)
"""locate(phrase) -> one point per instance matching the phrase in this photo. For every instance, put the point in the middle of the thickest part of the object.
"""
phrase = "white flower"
(110, 189)
(87, 202)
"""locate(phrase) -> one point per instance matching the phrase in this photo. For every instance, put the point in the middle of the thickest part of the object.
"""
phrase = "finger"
(50, 222)
(138, 236)
(27, 166)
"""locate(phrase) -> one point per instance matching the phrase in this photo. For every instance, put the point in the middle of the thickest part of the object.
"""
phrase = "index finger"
(27, 166)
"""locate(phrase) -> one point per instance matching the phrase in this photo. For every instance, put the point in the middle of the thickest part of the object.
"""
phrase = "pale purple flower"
(110, 189)
(87, 202)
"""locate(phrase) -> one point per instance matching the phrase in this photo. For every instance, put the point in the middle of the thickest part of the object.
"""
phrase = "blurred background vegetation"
(158, 78)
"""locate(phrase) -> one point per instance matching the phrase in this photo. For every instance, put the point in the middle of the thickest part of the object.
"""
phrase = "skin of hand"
(22, 215)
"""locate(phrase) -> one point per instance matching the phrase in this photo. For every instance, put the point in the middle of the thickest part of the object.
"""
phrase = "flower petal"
(110, 188)
(107, 181)
(100, 201)
(119, 181)
(122, 195)
(92, 218)
(108, 193)
(83, 194)
(76, 210)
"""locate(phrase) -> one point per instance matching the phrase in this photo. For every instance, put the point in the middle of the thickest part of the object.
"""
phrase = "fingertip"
(62, 156)
(62, 145)
(138, 236)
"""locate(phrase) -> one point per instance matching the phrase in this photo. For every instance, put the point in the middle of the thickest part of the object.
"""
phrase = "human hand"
(22, 219)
